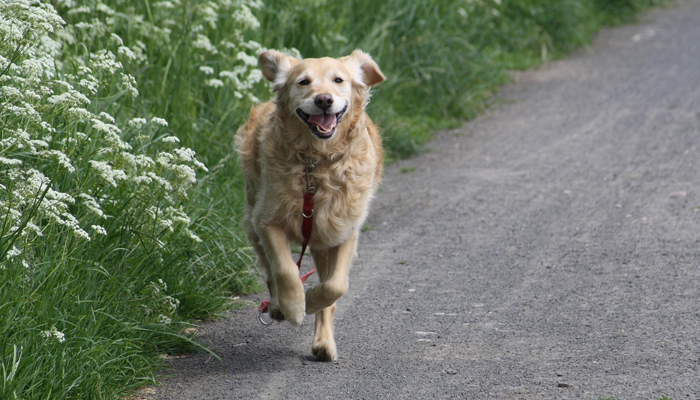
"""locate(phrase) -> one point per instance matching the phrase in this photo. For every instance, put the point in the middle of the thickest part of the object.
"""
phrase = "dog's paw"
(274, 311)
(324, 350)
(322, 296)
(293, 306)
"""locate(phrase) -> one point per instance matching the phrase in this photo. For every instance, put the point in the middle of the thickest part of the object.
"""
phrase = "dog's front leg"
(335, 283)
(333, 267)
(290, 291)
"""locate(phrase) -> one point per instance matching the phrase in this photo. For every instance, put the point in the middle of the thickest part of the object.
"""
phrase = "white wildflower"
(164, 319)
(215, 83)
(170, 139)
(210, 14)
(129, 83)
(144, 161)
(104, 8)
(99, 230)
(166, 224)
(71, 98)
(255, 76)
(107, 117)
(171, 304)
(202, 42)
(10, 161)
(178, 215)
(12, 92)
(162, 182)
(55, 334)
(126, 52)
(246, 18)
(141, 180)
(107, 173)
(247, 59)
(185, 154)
(137, 123)
(79, 10)
(62, 159)
(83, 25)
(164, 158)
(207, 70)
(80, 112)
(91, 204)
(91, 85)
(192, 235)
(33, 228)
(13, 252)
(105, 60)
(156, 287)
(159, 121)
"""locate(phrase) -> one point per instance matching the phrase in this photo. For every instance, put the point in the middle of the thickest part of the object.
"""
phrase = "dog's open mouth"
(322, 125)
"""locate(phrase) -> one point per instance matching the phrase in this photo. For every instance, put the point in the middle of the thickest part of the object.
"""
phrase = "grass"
(109, 246)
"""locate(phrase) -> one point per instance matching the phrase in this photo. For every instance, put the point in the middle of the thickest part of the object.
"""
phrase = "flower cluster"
(159, 304)
(215, 40)
(54, 334)
(68, 165)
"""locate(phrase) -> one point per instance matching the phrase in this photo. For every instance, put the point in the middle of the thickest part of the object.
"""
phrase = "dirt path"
(547, 250)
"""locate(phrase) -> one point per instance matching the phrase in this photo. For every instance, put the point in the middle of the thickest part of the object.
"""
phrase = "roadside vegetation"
(120, 194)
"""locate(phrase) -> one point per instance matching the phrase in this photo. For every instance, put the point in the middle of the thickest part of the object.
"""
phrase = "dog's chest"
(341, 199)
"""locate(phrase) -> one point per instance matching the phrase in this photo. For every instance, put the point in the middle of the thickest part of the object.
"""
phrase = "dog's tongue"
(324, 121)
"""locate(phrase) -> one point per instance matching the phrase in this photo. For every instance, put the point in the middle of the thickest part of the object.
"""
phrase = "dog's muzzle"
(323, 126)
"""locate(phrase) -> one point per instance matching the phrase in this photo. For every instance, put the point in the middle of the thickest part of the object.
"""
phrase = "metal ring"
(262, 321)
(307, 216)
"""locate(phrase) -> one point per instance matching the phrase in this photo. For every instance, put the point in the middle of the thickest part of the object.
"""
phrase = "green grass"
(104, 265)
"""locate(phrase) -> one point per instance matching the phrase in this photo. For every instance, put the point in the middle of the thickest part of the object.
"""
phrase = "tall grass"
(103, 256)
(443, 59)
(120, 194)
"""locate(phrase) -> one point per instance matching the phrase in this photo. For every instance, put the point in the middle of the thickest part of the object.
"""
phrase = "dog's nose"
(323, 101)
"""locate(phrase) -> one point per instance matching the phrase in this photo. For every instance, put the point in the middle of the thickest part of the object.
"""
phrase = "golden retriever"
(314, 133)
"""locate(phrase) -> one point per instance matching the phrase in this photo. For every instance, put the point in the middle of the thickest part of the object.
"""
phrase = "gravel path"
(549, 249)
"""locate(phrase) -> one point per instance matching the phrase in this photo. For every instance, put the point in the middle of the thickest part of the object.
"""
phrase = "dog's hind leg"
(323, 345)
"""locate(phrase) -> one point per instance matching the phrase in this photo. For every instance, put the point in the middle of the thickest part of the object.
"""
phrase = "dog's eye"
(304, 82)
(338, 80)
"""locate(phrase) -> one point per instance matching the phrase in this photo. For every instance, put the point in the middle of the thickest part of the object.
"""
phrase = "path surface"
(549, 249)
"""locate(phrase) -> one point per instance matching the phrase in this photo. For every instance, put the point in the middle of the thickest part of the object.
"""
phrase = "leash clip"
(264, 320)
(310, 188)
(262, 310)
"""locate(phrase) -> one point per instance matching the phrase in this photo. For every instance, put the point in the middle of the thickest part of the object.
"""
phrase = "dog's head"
(320, 92)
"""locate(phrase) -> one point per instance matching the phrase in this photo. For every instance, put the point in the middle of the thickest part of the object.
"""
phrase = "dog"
(314, 135)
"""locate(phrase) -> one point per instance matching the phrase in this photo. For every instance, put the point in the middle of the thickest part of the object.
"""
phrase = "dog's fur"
(276, 144)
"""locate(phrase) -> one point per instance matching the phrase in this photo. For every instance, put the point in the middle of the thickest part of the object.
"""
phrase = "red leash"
(307, 211)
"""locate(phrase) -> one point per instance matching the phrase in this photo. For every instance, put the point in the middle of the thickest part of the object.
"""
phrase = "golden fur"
(276, 145)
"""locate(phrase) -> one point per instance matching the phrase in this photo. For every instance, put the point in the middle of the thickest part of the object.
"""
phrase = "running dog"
(313, 139)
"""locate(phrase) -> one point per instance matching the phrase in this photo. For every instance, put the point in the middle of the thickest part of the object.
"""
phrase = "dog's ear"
(275, 66)
(365, 69)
